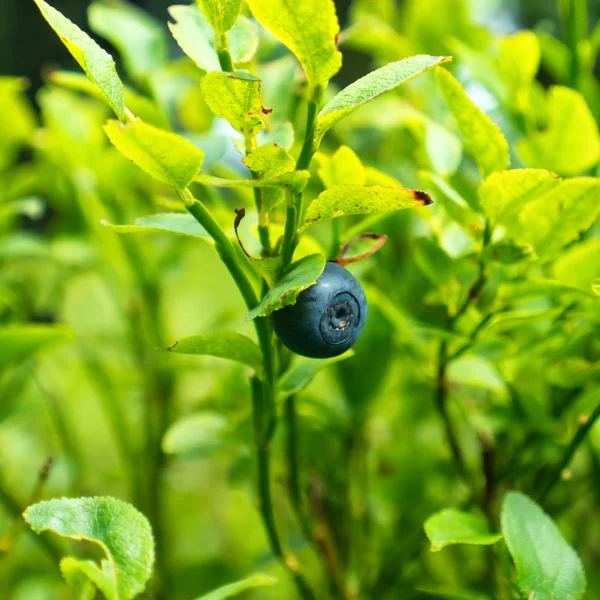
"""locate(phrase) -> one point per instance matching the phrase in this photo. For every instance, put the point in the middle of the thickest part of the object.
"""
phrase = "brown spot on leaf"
(423, 197)
(267, 111)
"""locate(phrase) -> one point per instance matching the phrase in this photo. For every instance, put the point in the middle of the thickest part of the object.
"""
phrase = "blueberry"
(327, 318)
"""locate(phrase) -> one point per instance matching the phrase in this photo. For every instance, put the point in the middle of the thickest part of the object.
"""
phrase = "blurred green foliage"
(478, 371)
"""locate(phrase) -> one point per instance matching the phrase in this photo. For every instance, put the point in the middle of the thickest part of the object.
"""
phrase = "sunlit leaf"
(449, 527)
(169, 223)
(570, 144)
(98, 64)
(295, 181)
(79, 583)
(308, 28)
(121, 531)
(345, 200)
(547, 566)
(342, 167)
(301, 275)
(579, 265)
(222, 344)
(372, 85)
(166, 156)
(483, 138)
(269, 160)
(233, 589)
(221, 14)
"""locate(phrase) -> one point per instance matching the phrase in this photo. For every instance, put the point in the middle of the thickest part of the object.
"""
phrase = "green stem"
(577, 440)
(225, 60)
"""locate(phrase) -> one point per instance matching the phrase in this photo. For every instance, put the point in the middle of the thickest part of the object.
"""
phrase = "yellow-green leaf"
(236, 98)
(165, 223)
(450, 526)
(295, 181)
(309, 28)
(233, 589)
(346, 200)
(270, 160)
(122, 532)
(98, 64)
(483, 138)
(372, 85)
(570, 144)
(579, 265)
(166, 156)
(221, 344)
(221, 14)
(300, 276)
(342, 167)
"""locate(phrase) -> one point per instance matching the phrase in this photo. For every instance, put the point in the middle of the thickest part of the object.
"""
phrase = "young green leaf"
(233, 589)
(345, 200)
(372, 85)
(166, 156)
(282, 134)
(269, 160)
(579, 265)
(571, 143)
(547, 566)
(222, 344)
(19, 342)
(449, 527)
(301, 275)
(505, 193)
(98, 64)
(342, 167)
(308, 28)
(139, 38)
(235, 97)
(121, 531)
(221, 14)
(482, 137)
(304, 370)
(295, 181)
(169, 223)
(79, 583)
(196, 435)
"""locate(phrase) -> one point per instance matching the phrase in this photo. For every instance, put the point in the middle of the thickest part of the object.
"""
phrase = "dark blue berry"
(327, 318)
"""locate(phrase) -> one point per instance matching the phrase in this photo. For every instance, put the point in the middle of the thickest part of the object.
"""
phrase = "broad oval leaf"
(309, 28)
(571, 143)
(222, 344)
(236, 98)
(117, 527)
(269, 160)
(139, 38)
(341, 168)
(169, 223)
(346, 200)
(196, 436)
(372, 85)
(233, 589)
(547, 566)
(301, 275)
(295, 181)
(98, 64)
(166, 156)
(450, 526)
(483, 138)
(80, 583)
(19, 342)
(505, 193)
(221, 14)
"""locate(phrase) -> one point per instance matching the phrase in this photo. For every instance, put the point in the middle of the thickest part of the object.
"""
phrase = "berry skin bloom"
(327, 318)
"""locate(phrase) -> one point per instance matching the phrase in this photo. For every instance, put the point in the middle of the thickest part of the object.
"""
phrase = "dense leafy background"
(478, 372)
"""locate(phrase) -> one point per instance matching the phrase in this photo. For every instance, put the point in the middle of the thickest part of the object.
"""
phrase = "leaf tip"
(423, 198)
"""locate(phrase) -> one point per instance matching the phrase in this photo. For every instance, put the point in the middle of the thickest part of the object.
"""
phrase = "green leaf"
(505, 193)
(449, 527)
(98, 64)
(342, 167)
(547, 566)
(570, 144)
(579, 265)
(166, 156)
(233, 589)
(282, 134)
(483, 138)
(121, 531)
(196, 435)
(301, 275)
(243, 40)
(221, 14)
(19, 342)
(236, 98)
(79, 576)
(359, 248)
(507, 253)
(560, 216)
(372, 85)
(346, 200)
(295, 181)
(138, 37)
(308, 28)
(304, 370)
(433, 261)
(269, 161)
(170, 223)
(222, 344)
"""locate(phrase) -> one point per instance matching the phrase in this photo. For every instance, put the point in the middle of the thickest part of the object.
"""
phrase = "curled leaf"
(360, 247)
